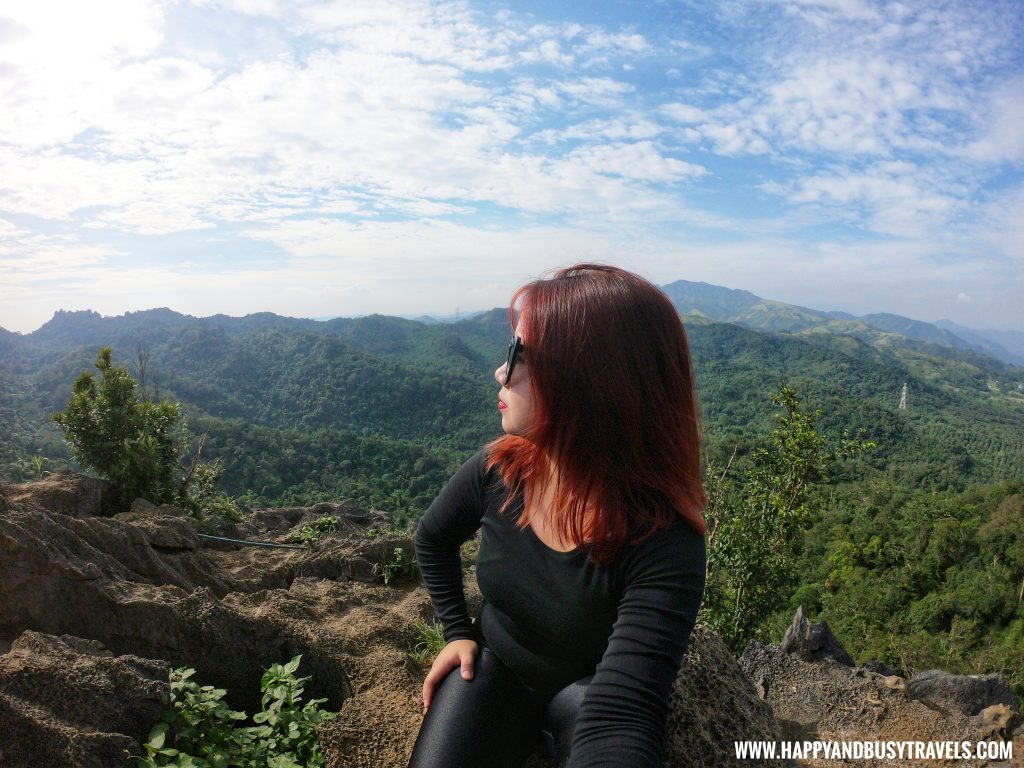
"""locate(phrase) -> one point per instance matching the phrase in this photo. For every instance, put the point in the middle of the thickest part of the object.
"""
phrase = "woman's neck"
(539, 510)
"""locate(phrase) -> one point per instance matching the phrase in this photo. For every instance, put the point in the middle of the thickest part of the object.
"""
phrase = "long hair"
(616, 409)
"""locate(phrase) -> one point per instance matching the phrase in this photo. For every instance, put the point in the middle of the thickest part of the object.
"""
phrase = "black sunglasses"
(515, 354)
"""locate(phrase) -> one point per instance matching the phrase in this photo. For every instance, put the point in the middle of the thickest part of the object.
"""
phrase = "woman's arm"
(452, 519)
(621, 723)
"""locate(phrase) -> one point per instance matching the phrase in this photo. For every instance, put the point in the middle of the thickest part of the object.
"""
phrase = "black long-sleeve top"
(555, 617)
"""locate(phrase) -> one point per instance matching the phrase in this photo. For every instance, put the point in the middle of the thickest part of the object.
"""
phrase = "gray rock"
(813, 641)
(68, 701)
(63, 492)
(171, 533)
(139, 507)
(967, 694)
(142, 508)
(713, 704)
(879, 668)
(813, 701)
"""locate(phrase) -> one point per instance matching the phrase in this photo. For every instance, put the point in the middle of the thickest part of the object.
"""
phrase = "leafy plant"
(387, 530)
(200, 724)
(284, 730)
(317, 529)
(400, 564)
(200, 730)
(429, 642)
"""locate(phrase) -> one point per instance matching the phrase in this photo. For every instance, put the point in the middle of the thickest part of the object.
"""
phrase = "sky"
(323, 159)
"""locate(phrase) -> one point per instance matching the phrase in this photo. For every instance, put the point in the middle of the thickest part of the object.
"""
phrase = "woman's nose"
(499, 374)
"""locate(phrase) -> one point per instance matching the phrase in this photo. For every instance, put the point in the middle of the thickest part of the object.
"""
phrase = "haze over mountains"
(716, 303)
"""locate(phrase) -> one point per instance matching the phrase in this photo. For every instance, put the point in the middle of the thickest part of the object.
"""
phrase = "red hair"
(616, 409)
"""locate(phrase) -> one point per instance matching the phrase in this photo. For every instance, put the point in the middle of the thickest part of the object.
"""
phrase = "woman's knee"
(560, 719)
(486, 721)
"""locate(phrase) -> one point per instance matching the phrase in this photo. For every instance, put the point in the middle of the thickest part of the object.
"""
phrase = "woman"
(592, 558)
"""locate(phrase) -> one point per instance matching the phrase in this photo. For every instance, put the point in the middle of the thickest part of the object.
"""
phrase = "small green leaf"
(157, 735)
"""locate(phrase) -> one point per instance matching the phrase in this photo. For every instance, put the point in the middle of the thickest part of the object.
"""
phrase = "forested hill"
(727, 305)
(918, 554)
(302, 407)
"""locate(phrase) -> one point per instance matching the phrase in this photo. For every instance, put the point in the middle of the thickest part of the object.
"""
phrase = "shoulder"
(458, 506)
(473, 471)
(676, 548)
(475, 479)
(488, 473)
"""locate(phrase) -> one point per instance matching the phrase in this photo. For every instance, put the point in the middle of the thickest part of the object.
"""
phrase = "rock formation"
(68, 701)
(813, 641)
(87, 601)
(966, 694)
(830, 700)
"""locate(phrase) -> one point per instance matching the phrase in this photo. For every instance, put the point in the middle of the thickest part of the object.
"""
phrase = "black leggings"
(493, 720)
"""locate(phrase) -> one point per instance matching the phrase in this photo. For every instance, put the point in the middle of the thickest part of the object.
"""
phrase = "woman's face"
(515, 399)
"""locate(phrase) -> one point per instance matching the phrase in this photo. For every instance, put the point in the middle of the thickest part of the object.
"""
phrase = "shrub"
(399, 565)
(755, 523)
(131, 441)
(202, 732)
(126, 440)
(317, 529)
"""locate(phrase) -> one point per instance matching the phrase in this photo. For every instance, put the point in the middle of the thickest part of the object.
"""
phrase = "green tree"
(131, 441)
(128, 441)
(754, 526)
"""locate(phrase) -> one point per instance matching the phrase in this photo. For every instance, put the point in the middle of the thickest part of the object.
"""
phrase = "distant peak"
(78, 314)
(62, 318)
(156, 312)
(715, 301)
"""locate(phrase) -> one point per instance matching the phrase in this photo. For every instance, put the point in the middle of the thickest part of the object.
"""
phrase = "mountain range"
(728, 305)
(695, 299)
(284, 398)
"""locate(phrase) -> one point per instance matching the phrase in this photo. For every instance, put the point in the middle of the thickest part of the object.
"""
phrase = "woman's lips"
(501, 405)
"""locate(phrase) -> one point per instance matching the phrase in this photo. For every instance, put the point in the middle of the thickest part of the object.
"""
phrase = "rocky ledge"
(94, 611)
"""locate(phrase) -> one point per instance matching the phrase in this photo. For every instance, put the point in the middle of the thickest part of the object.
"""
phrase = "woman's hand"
(458, 653)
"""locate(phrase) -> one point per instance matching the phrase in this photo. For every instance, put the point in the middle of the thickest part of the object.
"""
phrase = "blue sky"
(319, 159)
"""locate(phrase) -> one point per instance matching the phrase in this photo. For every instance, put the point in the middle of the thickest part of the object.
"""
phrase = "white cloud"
(150, 218)
(871, 80)
(638, 161)
(624, 127)
(998, 228)
(890, 198)
(390, 104)
(733, 139)
(822, 12)
(684, 113)
(57, 59)
(595, 91)
(1002, 136)
(29, 260)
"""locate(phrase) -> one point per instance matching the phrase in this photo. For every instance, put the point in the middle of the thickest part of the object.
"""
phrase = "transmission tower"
(903, 397)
